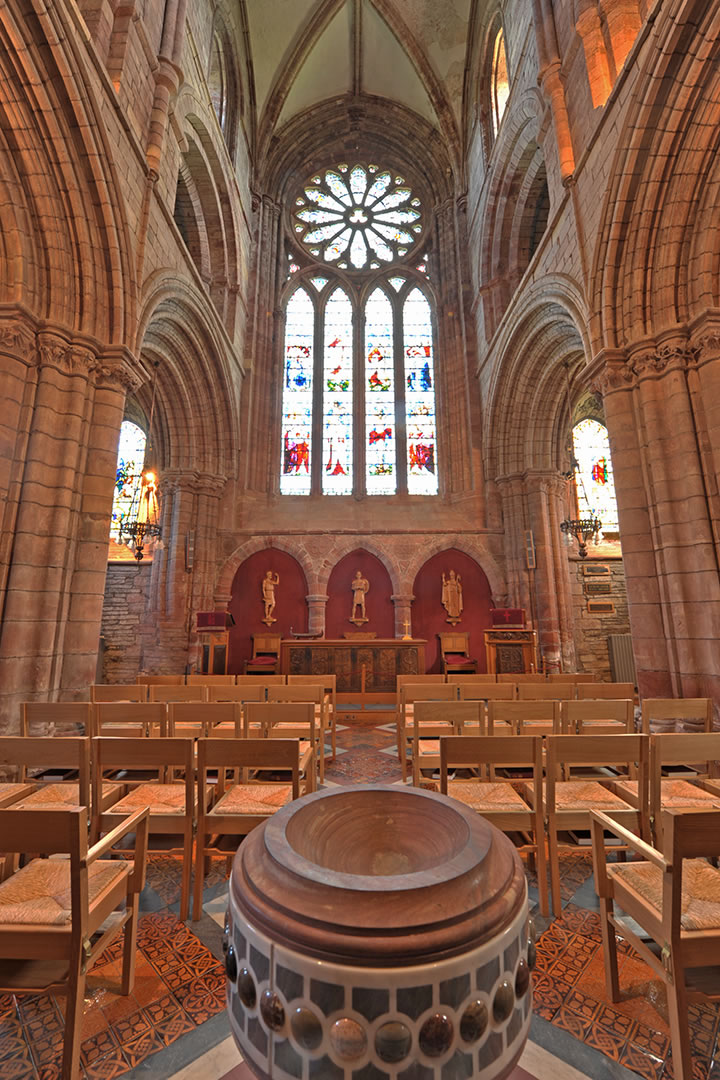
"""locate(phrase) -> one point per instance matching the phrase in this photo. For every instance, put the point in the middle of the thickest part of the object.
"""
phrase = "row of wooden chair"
(115, 777)
(461, 689)
(305, 719)
(232, 680)
(624, 776)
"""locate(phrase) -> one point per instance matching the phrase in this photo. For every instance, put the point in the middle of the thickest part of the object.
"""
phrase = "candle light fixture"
(143, 520)
(582, 529)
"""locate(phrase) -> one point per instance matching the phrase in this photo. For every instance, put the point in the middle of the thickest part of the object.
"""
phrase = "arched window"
(224, 84)
(128, 479)
(499, 80)
(358, 377)
(594, 483)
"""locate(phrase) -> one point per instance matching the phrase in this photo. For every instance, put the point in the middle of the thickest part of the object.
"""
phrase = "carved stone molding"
(663, 359)
(196, 483)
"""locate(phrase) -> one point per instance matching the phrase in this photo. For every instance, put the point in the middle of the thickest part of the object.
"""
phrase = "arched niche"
(248, 610)
(379, 608)
(429, 616)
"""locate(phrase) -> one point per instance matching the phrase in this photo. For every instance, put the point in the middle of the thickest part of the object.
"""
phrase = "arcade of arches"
(370, 265)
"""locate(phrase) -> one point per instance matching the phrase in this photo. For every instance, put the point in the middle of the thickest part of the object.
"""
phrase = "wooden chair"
(161, 680)
(571, 676)
(265, 658)
(127, 720)
(497, 800)
(238, 807)
(465, 678)
(455, 652)
(409, 694)
(606, 690)
(40, 718)
(314, 692)
(697, 789)
(287, 720)
(524, 717)
(535, 691)
(521, 677)
(219, 719)
(172, 805)
(57, 916)
(568, 802)
(697, 712)
(263, 678)
(166, 694)
(610, 717)
(210, 680)
(329, 683)
(432, 720)
(244, 692)
(63, 754)
(674, 897)
(478, 691)
(118, 692)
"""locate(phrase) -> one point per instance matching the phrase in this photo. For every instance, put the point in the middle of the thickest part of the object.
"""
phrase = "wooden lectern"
(214, 630)
(511, 648)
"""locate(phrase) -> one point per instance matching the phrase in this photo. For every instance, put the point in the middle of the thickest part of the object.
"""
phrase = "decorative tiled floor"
(173, 1025)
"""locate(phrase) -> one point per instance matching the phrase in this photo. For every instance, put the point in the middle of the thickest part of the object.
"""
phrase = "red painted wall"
(379, 608)
(247, 606)
(428, 614)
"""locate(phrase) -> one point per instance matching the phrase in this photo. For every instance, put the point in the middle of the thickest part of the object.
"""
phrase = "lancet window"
(358, 406)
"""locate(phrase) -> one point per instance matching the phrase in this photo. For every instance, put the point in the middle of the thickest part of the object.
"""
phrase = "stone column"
(316, 603)
(666, 482)
(403, 613)
(59, 492)
(515, 523)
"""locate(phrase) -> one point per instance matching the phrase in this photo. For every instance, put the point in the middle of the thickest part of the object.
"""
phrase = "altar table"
(362, 667)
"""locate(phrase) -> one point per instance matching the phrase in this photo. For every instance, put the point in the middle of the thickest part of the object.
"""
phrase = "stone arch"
(656, 261)
(55, 147)
(196, 404)
(473, 547)
(224, 82)
(250, 547)
(527, 422)
(511, 220)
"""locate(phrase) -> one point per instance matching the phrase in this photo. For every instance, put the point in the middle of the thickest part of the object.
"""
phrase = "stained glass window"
(338, 396)
(419, 395)
(358, 410)
(380, 450)
(500, 80)
(131, 458)
(594, 479)
(297, 405)
(357, 217)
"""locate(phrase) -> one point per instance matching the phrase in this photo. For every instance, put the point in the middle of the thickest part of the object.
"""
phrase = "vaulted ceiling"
(304, 52)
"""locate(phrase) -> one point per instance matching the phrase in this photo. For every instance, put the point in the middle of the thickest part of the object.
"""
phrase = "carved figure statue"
(268, 593)
(360, 587)
(452, 599)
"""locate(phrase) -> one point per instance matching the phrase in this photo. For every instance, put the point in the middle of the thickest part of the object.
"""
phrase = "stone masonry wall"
(591, 629)
(126, 597)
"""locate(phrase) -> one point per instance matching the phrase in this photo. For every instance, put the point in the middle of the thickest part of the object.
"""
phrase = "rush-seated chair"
(674, 897)
(57, 916)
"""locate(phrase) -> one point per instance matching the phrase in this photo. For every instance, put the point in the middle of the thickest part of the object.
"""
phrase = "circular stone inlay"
(503, 1002)
(474, 1021)
(246, 989)
(271, 1010)
(231, 963)
(306, 1029)
(522, 978)
(436, 1035)
(348, 1039)
(393, 1041)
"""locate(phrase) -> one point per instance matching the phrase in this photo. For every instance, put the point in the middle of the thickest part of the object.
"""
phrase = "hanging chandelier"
(582, 529)
(143, 520)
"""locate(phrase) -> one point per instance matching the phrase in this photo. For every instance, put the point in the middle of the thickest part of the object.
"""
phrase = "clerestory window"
(358, 406)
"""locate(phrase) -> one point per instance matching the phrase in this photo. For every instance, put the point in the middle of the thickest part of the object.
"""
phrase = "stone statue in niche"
(360, 587)
(452, 599)
(268, 594)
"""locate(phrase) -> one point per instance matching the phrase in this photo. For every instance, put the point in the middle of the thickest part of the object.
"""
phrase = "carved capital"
(611, 376)
(666, 358)
(192, 482)
(18, 339)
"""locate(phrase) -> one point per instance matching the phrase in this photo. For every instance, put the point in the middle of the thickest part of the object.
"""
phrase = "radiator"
(622, 661)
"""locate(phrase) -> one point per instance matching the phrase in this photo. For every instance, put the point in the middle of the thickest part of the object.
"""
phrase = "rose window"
(357, 218)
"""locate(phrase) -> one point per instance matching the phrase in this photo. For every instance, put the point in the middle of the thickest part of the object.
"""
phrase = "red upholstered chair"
(266, 655)
(455, 650)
